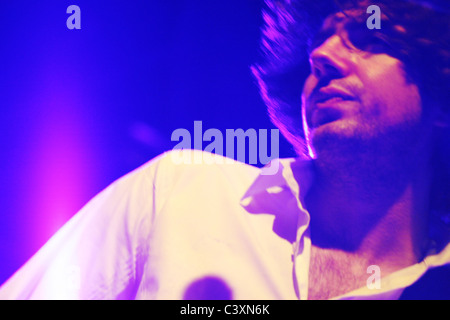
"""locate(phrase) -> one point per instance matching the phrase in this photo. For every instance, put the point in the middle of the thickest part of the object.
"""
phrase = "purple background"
(81, 108)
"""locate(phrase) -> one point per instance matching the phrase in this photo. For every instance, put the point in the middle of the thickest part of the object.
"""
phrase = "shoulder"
(180, 171)
(176, 172)
(176, 165)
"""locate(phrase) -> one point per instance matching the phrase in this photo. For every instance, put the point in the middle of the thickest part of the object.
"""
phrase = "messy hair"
(418, 34)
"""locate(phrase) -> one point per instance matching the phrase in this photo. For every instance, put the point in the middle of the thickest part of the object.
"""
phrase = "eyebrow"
(332, 25)
(320, 37)
(329, 28)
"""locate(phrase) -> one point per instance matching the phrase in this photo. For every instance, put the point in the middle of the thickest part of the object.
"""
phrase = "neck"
(370, 208)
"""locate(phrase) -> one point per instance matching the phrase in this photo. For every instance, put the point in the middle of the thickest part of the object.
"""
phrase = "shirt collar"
(287, 186)
(278, 194)
(280, 181)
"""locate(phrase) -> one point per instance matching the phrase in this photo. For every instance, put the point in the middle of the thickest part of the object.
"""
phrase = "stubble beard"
(368, 154)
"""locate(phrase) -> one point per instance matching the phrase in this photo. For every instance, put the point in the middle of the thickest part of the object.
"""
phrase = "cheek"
(388, 95)
(407, 104)
(308, 87)
(403, 103)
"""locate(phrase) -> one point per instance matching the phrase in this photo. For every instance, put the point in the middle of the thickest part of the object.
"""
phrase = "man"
(350, 222)
(370, 120)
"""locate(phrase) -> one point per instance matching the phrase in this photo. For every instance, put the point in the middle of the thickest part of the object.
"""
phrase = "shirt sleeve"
(100, 252)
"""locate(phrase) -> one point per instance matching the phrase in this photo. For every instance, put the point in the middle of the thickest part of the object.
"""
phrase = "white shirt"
(171, 230)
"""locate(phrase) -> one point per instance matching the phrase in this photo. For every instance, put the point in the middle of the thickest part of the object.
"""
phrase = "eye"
(367, 40)
(319, 38)
(315, 71)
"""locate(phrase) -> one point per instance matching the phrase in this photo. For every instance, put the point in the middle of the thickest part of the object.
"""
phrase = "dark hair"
(418, 35)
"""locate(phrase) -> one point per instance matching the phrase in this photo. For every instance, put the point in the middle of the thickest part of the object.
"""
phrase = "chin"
(336, 130)
(339, 139)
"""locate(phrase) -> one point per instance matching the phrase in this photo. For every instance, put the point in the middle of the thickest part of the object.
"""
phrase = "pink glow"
(60, 170)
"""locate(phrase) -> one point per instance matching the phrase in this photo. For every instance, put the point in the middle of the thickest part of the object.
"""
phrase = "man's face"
(352, 92)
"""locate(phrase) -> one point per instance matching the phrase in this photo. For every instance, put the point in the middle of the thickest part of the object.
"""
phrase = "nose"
(330, 60)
